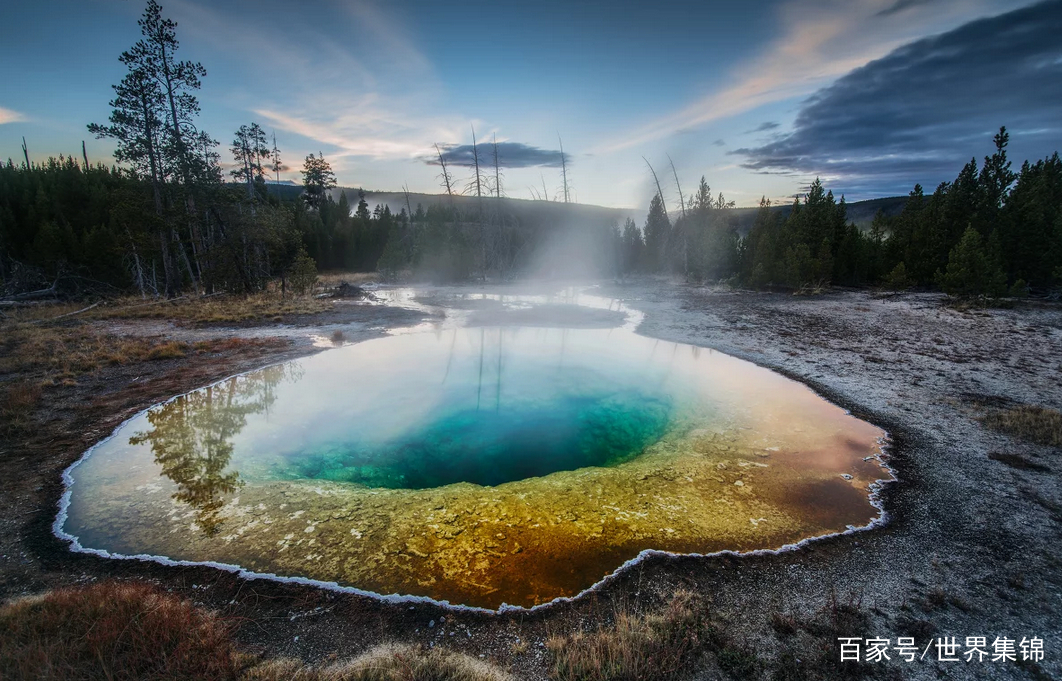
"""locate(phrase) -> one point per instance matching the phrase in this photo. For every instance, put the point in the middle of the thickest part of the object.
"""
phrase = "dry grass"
(113, 631)
(50, 354)
(224, 309)
(1027, 422)
(18, 402)
(35, 358)
(65, 352)
(132, 630)
(658, 645)
(332, 279)
(383, 663)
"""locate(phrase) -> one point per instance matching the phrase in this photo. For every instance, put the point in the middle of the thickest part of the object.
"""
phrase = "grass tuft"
(383, 663)
(18, 402)
(171, 350)
(1027, 422)
(113, 631)
(649, 646)
(118, 631)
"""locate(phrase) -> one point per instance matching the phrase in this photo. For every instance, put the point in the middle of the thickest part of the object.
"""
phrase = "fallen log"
(67, 314)
(32, 295)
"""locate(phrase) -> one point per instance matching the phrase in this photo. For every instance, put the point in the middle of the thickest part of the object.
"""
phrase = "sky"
(758, 97)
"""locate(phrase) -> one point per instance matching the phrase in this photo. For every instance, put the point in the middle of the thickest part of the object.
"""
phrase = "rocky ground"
(971, 547)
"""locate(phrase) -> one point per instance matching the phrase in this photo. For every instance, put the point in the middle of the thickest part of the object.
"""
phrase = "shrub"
(898, 280)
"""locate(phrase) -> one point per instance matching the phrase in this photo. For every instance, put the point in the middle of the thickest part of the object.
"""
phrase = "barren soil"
(971, 547)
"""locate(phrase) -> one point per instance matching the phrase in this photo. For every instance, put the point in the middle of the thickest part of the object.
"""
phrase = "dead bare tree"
(25, 152)
(409, 209)
(537, 195)
(84, 155)
(564, 171)
(659, 191)
(682, 201)
(497, 171)
(274, 156)
(447, 178)
(476, 182)
(685, 224)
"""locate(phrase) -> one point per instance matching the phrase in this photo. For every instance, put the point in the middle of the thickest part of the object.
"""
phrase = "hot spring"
(477, 466)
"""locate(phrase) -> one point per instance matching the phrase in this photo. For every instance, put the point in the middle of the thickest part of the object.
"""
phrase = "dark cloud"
(510, 155)
(901, 5)
(919, 113)
(763, 127)
(719, 143)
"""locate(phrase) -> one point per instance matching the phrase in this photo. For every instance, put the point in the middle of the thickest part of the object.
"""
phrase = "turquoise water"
(491, 447)
(528, 418)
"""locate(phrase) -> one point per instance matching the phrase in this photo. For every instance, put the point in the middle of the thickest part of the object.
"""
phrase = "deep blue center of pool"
(488, 446)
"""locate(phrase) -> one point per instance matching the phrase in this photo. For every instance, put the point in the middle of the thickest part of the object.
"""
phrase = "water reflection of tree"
(191, 437)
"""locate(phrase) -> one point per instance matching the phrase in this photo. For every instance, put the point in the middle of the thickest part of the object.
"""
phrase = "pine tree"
(633, 247)
(657, 232)
(249, 149)
(317, 180)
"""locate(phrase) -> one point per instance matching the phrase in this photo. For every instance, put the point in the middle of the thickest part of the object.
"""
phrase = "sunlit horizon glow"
(724, 91)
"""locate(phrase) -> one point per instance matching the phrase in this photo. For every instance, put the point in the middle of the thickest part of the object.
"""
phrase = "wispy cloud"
(386, 37)
(367, 130)
(352, 98)
(9, 116)
(901, 5)
(764, 127)
(822, 39)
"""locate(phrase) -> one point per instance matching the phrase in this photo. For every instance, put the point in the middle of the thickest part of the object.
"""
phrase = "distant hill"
(860, 212)
(550, 211)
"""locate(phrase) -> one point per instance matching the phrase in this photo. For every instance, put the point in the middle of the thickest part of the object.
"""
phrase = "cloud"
(369, 98)
(901, 5)
(920, 112)
(386, 36)
(764, 127)
(9, 116)
(510, 155)
(366, 130)
(719, 143)
(822, 39)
